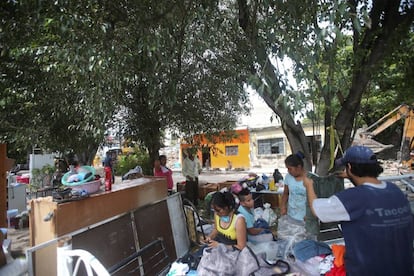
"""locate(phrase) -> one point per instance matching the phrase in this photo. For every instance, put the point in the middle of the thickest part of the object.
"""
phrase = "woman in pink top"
(160, 169)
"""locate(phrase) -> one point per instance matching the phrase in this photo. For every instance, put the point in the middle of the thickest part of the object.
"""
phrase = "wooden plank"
(42, 231)
(123, 198)
(71, 216)
(3, 186)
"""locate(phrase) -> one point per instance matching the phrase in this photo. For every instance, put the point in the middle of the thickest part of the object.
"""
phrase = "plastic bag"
(269, 215)
(271, 250)
(291, 228)
(222, 260)
(292, 231)
(265, 182)
(258, 213)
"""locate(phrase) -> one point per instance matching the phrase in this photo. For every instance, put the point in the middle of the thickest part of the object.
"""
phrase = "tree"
(183, 74)
(56, 81)
(313, 34)
(81, 62)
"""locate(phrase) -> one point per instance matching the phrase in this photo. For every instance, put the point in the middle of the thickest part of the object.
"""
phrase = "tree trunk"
(153, 145)
(370, 45)
(87, 155)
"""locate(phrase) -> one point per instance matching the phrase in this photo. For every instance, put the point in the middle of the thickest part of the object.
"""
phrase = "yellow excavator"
(404, 112)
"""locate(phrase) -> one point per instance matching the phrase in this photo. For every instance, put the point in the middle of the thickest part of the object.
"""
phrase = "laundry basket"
(82, 179)
(89, 187)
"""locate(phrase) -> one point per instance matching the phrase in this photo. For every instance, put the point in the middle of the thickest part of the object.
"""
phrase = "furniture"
(85, 260)
(16, 196)
(110, 225)
(11, 214)
(194, 221)
(207, 188)
(227, 184)
(267, 196)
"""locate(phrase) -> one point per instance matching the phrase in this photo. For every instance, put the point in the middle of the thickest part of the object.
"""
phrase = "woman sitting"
(229, 226)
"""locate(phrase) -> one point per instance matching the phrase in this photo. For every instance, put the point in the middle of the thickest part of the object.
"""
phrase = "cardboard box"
(207, 188)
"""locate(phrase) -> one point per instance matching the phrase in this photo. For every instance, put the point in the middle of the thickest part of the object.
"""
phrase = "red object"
(22, 179)
(108, 178)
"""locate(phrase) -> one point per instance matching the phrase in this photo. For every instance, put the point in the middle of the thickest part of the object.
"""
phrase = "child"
(257, 230)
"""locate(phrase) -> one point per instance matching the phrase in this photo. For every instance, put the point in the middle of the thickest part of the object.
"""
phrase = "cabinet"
(16, 197)
(50, 220)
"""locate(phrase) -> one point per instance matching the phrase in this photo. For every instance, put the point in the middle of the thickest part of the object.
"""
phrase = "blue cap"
(357, 155)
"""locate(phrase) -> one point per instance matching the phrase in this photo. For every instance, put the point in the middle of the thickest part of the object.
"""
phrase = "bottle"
(277, 176)
(108, 178)
(272, 186)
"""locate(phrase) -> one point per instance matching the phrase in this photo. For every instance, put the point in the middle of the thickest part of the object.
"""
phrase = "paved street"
(221, 176)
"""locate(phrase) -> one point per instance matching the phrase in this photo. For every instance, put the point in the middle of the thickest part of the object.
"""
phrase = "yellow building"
(216, 154)
(251, 147)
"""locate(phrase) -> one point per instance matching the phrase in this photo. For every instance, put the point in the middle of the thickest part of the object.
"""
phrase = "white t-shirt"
(331, 209)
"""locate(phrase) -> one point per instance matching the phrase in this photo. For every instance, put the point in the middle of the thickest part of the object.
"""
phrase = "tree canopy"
(78, 63)
(337, 48)
(72, 69)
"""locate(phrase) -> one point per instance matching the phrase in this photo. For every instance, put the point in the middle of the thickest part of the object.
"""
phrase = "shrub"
(131, 160)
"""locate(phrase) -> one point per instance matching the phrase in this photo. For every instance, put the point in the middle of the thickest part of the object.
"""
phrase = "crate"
(207, 188)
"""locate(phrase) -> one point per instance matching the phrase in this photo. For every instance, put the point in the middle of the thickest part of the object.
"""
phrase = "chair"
(92, 265)
(135, 264)
(193, 220)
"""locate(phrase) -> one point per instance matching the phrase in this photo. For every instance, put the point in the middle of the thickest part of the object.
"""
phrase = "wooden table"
(267, 196)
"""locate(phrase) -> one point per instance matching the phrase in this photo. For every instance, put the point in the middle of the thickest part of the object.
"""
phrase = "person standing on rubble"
(375, 216)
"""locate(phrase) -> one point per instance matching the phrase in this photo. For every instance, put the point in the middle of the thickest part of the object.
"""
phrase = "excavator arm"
(401, 112)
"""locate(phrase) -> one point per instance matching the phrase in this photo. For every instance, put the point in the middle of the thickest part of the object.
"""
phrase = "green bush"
(41, 177)
(130, 161)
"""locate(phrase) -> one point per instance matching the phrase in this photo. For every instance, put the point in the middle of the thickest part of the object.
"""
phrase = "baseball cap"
(357, 155)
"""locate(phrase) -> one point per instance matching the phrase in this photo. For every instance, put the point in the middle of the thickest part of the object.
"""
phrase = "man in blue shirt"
(376, 218)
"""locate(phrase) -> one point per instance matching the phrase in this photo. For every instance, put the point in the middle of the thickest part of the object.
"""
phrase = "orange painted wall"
(219, 159)
(241, 160)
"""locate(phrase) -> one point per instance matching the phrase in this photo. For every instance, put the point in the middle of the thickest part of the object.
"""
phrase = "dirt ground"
(19, 241)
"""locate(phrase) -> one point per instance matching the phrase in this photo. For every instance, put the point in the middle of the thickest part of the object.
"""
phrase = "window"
(232, 150)
(271, 146)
